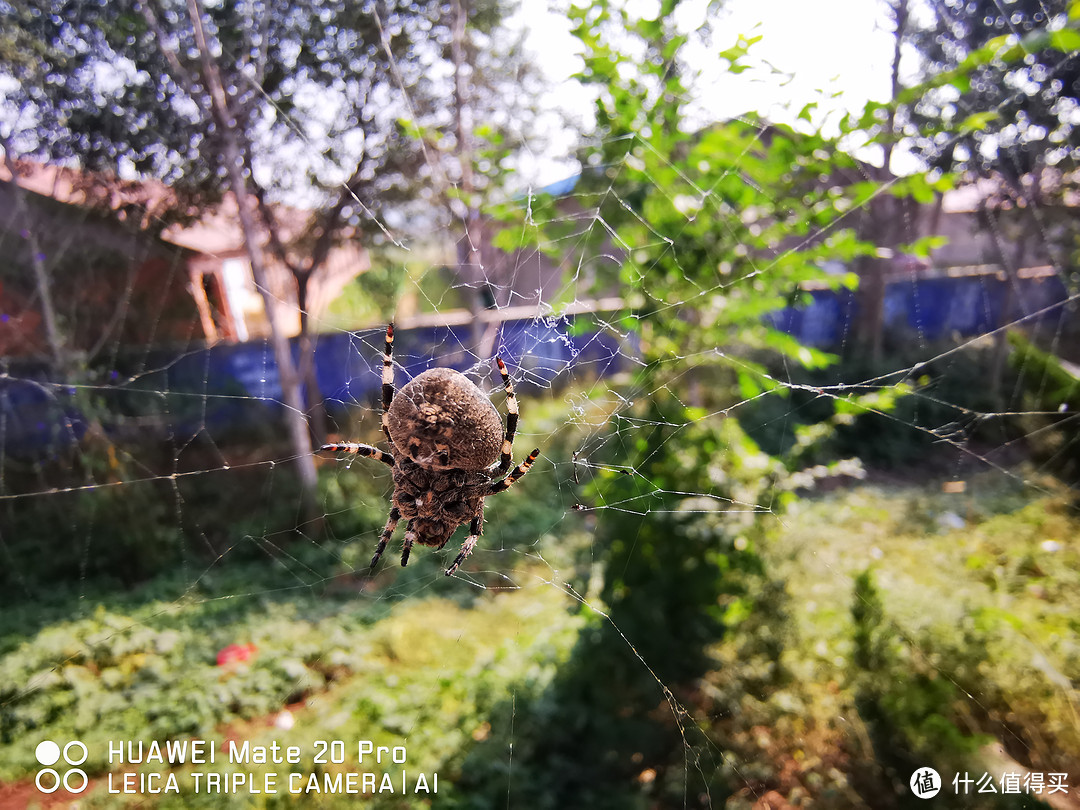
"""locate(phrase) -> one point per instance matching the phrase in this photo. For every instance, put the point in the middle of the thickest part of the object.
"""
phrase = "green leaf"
(1066, 40)
(737, 52)
(507, 240)
(749, 386)
(978, 121)
(914, 186)
(921, 248)
(805, 112)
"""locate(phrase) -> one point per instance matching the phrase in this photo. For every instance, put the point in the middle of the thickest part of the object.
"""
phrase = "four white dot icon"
(48, 779)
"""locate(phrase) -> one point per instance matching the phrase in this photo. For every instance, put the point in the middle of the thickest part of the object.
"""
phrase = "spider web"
(194, 589)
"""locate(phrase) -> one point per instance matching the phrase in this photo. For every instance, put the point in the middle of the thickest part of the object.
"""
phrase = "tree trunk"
(53, 336)
(302, 275)
(871, 320)
(290, 381)
(472, 255)
(1011, 266)
(885, 217)
(313, 399)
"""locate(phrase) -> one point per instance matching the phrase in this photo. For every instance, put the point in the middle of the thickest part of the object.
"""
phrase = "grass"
(917, 627)
(393, 660)
(390, 658)
(887, 625)
(426, 676)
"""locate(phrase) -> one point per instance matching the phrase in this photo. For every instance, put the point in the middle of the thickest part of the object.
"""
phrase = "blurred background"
(788, 292)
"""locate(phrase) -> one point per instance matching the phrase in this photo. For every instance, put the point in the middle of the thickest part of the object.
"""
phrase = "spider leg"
(511, 420)
(388, 381)
(410, 538)
(387, 532)
(470, 542)
(520, 470)
(362, 450)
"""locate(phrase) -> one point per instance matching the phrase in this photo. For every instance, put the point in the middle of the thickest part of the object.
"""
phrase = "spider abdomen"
(436, 502)
(446, 436)
(442, 421)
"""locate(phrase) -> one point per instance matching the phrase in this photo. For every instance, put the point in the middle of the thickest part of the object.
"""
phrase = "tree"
(1000, 102)
(715, 226)
(1011, 91)
(883, 219)
(54, 337)
(706, 231)
(223, 97)
(311, 91)
(471, 143)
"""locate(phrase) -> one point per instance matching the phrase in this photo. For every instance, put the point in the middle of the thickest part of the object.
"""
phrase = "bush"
(948, 394)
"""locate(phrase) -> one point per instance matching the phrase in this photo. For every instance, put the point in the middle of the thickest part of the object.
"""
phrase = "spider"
(446, 456)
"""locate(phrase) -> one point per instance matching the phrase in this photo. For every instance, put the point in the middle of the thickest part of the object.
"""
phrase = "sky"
(836, 46)
(835, 52)
(821, 48)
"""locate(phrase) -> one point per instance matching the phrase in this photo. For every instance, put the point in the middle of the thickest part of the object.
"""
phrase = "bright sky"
(836, 52)
(821, 48)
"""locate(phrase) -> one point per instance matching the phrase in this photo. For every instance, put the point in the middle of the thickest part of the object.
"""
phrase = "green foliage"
(371, 298)
(1058, 386)
(114, 533)
(944, 633)
(866, 409)
(142, 665)
(117, 677)
(882, 638)
(872, 412)
(64, 62)
(892, 713)
(671, 597)
(867, 613)
(710, 232)
(1051, 399)
(676, 571)
(704, 232)
(995, 79)
(76, 536)
(151, 675)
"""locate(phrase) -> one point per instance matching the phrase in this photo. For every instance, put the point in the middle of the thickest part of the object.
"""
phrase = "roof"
(146, 202)
(150, 198)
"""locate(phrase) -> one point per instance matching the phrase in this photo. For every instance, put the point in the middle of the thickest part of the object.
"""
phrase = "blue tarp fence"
(928, 309)
(232, 388)
(174, 395)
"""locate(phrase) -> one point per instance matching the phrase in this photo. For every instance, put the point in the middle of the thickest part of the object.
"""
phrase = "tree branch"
(41, 273)
(234, 165)
(180, 73)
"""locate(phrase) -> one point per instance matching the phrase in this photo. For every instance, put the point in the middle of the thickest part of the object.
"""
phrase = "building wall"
(109, 283)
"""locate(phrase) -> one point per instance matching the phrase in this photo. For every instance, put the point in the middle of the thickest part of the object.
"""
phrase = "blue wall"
(172, 395)
(927, 309)
(229, 388)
